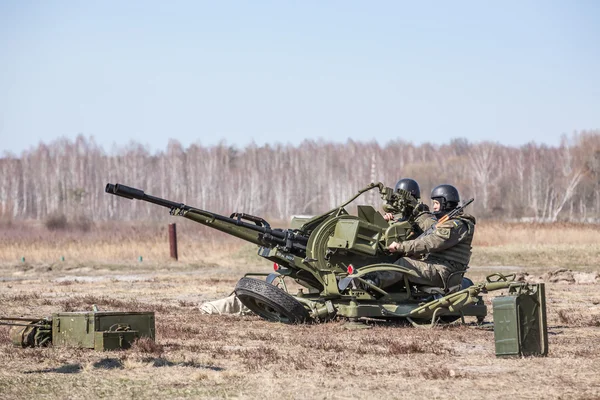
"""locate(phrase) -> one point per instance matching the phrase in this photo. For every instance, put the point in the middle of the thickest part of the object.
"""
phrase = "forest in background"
(533, 182)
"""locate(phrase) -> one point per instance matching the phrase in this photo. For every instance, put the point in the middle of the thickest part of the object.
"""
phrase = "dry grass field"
(201, 356)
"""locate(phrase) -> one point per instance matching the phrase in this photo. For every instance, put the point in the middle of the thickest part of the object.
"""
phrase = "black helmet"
(448, 197)
(410, 185)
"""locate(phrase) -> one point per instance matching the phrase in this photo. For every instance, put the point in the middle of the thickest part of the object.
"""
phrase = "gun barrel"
(24, 324)
(27, 319)
(258, 231)
(132, 193)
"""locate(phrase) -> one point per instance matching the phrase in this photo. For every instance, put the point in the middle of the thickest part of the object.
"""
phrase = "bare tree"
(542, 182)
(485, 169)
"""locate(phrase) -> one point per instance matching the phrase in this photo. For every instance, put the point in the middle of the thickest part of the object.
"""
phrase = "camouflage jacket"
(420, 224)
(424, 220)
(449, 242)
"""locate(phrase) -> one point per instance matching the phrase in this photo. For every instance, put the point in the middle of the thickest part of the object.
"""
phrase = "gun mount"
(329, 255)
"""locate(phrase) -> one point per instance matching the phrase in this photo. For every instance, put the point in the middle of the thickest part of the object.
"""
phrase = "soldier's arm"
(425, 220)
(443, 237)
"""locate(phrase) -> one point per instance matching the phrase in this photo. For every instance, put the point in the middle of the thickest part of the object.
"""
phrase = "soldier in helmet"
(421, 217)
(435, 256)
(412, 187)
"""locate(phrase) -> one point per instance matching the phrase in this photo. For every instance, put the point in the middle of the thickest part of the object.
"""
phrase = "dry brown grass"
(198, 355)
(575, 317)
(491, 234)
(573, 246)
(201, 356)
(147, 345)
(113, 244)
(109, 247)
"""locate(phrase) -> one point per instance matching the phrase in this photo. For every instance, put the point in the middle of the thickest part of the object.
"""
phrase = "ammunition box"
(101, 330)
(355, 235)
(520, 327)
(298, 221)
(115, 340)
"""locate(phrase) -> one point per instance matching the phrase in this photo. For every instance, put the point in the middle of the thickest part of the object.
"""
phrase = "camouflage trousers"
(228, 305)
(430, 274)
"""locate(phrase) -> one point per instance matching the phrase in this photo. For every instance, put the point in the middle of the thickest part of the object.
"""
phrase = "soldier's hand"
(395, 248)
(420, 208)
(388, 217)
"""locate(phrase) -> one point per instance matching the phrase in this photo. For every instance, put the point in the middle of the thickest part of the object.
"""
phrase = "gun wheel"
(270, 302)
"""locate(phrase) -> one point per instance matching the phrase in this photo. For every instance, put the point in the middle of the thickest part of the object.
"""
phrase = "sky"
(265, 72)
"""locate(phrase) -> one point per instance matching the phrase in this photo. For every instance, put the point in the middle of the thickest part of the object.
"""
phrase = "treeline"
(532, 182)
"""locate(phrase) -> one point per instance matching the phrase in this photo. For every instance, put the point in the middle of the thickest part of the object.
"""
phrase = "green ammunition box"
(299, 220)
(101, 330)
(355, 235)
(520, 327)
(107, 340)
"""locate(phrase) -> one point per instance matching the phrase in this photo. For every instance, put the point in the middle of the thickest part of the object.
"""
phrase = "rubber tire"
(256, 294)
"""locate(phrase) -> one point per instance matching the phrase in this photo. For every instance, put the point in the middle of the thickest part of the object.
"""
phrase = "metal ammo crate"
(101, 330)
(520, 327)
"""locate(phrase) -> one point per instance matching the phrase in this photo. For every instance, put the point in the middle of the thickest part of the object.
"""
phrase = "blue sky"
(282, 71)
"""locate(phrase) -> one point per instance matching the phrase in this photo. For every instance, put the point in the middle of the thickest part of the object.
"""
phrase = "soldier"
(421, 217)
(445, 250)
(411, 186)
(228, 305)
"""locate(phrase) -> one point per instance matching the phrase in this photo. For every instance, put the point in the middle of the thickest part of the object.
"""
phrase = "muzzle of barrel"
(128, 191)
(124, 191)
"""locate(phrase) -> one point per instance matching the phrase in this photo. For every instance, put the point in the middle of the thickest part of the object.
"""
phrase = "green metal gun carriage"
(329, 255)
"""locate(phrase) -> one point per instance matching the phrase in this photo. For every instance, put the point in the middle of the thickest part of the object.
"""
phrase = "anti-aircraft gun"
(330, 255)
